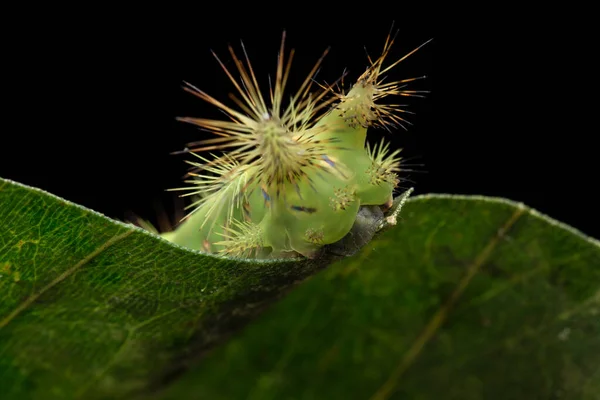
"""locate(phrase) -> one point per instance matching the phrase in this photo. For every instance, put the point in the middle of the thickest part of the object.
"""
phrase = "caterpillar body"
(292, 179)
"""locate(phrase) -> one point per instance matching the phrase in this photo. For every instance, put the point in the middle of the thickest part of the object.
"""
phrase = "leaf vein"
(31, 299)
(386, 390)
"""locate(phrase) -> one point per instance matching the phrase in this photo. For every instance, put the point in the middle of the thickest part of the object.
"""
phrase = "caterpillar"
(278, 179)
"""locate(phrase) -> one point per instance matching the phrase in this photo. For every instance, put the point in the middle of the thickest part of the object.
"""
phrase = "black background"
(91, 98)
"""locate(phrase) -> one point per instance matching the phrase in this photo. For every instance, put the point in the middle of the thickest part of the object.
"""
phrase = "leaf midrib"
(438, 319)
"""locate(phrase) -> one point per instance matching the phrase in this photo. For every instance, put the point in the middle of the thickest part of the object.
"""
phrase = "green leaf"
(94, 308)
(467, 298)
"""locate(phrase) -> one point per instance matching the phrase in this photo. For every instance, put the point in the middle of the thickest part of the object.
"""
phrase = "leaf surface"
(467, 298)
(95, 308)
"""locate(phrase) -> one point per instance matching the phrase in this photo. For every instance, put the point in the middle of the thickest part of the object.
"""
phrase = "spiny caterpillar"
(291, 179)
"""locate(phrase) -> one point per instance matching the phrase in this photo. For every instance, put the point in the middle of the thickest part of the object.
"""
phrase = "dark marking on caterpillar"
(309, 210)
(266, 197)
(329, 161)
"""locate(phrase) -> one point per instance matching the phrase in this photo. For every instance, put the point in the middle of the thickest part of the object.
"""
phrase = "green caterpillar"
(294, 178)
